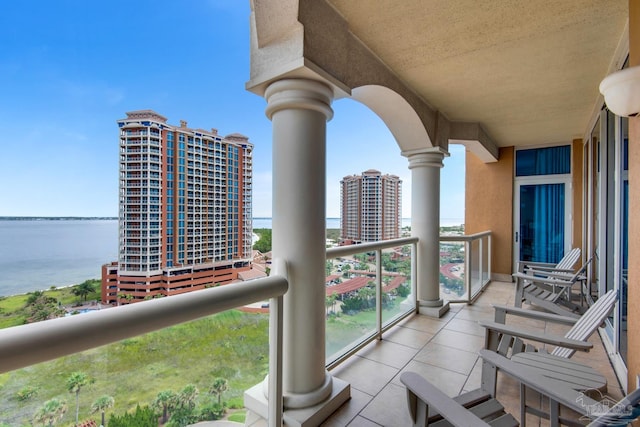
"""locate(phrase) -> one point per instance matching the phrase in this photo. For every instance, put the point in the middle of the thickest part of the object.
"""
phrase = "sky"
(69, 69)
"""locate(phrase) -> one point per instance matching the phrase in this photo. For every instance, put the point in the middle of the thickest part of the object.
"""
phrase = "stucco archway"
(399, 116)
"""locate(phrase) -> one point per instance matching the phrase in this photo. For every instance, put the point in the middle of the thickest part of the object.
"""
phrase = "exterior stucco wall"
(577, 166)
(489, 205)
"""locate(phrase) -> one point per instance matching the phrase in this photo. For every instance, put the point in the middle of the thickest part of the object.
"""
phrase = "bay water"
(39, 254)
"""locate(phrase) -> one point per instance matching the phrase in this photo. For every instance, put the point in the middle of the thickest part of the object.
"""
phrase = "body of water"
(38, 254)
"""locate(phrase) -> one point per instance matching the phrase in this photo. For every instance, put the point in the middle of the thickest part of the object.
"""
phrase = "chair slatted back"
(567, 262)
(589, 322)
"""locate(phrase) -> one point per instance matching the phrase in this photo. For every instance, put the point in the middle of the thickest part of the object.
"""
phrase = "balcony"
(445, 352)
(393, 340)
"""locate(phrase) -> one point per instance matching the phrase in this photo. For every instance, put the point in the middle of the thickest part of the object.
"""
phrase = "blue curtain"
(543, 161)
(542, 222)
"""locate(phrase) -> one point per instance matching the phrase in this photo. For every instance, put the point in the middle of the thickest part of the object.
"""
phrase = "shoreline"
(49, 289)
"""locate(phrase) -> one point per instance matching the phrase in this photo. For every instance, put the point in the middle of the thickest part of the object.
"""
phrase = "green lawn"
(232, 345)
(11, 307)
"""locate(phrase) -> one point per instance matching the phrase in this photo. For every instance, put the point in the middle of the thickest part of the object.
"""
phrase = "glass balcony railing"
(465, 266)
(370, 287)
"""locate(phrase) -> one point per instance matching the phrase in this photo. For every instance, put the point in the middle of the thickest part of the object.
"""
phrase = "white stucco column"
(425, 168)
(299, 110)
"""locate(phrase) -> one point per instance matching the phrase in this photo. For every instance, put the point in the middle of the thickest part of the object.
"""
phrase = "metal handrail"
(340, 251)
(468, 239)
(33, 343)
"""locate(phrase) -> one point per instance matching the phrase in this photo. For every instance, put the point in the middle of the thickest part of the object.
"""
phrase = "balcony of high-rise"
(505, 81)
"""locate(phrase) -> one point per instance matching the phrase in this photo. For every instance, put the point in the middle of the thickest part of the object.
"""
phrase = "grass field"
(232, 345)
(11, 307)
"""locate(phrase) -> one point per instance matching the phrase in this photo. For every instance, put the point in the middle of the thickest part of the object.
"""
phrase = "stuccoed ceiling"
(528, 71)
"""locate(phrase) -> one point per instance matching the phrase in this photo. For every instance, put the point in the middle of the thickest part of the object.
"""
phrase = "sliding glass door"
(607, 218)
(542, 204)
(542, 222)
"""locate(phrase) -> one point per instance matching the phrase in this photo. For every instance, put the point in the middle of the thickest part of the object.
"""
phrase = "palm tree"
(330, 301)
(83, 289)
(75, 382)
(51, 412)
(165, 400)
(219, 386)
(188, 396)
(102, 404)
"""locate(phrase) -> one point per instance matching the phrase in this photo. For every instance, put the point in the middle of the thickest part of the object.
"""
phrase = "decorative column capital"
(426, 157)
(299, 94)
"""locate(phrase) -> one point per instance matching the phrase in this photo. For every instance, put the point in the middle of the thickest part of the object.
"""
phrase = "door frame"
(568, 209)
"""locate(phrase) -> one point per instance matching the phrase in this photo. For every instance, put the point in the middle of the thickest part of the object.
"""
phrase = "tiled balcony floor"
(445, 352)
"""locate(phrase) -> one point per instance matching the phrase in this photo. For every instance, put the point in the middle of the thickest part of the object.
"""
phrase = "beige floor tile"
(349, 410)
(365, 375)
(389, 408)
(362, 422)
(459, 361)
(389, 353)
(408, 336)
(467, 326)
(475, 377)
(476, 314)
(459, 340)
(425, 324)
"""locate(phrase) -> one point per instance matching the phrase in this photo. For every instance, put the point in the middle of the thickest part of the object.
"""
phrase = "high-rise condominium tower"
(185, 220)
(371, 207)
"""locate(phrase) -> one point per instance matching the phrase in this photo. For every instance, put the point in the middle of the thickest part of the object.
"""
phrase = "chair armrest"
(502, 310)
(554, 389)
(556, 281)
(556, 340)
(551, 275)
(422, 390)
(549, 269)
(537, 264)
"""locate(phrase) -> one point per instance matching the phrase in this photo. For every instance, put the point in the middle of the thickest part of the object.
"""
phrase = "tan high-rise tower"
(371, 207)
(185, 219)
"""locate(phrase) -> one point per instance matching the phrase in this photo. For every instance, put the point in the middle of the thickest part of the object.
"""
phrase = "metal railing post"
(488, 258)
(414, 276)
(276, 314)
(379, 294)
(467, 269)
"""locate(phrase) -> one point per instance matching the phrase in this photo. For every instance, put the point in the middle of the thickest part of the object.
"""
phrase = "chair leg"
(519, 292)
(489, 378)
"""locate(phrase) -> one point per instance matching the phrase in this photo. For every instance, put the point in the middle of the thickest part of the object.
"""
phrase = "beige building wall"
(577, 166)
(489, 205)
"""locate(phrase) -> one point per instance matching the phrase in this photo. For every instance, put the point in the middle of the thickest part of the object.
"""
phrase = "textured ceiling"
(528, 71)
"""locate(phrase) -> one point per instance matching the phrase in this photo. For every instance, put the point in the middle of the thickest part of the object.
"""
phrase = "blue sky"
(70, 68)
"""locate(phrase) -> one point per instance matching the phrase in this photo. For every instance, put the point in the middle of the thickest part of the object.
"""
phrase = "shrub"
(142, 417)
(26, 393)
(211, 411)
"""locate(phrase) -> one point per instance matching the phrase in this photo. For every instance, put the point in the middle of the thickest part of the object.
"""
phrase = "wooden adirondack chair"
(565, 264)
(480, 408)
(550, 288)
(508, 340)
